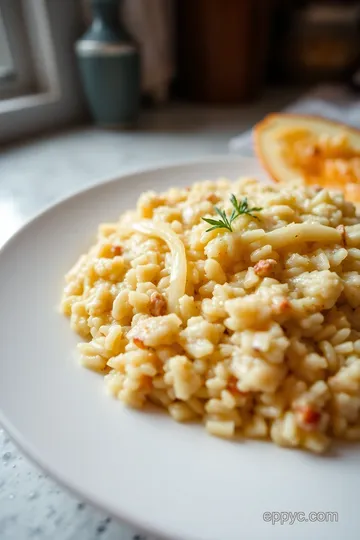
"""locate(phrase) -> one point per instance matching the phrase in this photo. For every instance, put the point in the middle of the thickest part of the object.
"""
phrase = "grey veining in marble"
(39, 172)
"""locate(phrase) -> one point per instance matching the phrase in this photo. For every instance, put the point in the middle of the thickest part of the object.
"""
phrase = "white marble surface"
(39, 172)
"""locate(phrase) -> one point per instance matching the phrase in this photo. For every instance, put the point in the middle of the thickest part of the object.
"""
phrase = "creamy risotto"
(254, 329)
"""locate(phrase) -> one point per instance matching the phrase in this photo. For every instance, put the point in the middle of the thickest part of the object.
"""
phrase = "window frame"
(47, 92)
(20, 79)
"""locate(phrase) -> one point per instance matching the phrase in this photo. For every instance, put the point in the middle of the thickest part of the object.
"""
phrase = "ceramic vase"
(109, 63)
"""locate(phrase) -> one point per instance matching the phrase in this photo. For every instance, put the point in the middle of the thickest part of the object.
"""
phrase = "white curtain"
(151, 24)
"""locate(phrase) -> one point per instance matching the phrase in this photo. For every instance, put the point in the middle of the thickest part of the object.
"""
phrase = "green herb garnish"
(225, 222)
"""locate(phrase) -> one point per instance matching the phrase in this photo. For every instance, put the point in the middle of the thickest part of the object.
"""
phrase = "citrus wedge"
(322, 152)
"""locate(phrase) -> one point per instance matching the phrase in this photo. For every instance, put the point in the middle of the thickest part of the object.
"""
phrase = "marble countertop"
(34, 175)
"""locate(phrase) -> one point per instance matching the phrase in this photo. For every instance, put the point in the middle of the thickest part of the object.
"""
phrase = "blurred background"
(65, 61)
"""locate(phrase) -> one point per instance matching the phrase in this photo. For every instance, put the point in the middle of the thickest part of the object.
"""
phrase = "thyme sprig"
(240, 207)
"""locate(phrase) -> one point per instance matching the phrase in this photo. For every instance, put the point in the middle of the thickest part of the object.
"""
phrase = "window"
(39, 85)
(16, 73)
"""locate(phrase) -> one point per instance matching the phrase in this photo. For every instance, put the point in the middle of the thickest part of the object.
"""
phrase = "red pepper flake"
(158, 304)
(139, 343)
(116, 250)
(282, 307)
(232, 387)
(265, 267)
(212, 197)
(308, 417)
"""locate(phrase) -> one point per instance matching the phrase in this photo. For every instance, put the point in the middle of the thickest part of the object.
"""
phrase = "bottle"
(109, 63)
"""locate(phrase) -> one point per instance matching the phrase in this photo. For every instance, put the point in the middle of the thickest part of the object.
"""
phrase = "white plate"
(170, 479)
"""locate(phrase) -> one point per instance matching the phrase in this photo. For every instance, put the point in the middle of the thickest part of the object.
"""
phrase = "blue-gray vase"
(109, 64)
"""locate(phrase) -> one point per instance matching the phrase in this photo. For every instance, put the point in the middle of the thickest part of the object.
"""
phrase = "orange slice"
(322, 152)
